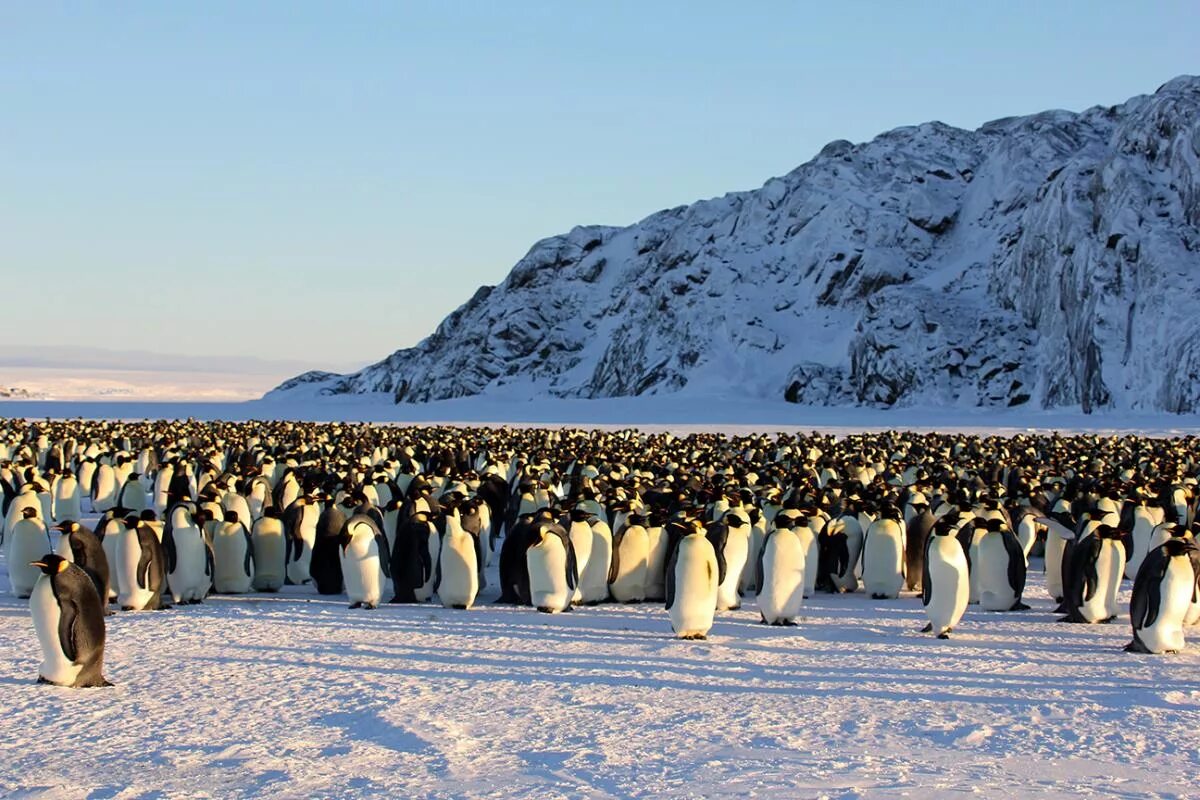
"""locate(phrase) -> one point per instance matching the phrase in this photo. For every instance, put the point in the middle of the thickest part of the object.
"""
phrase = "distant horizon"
(322, 187)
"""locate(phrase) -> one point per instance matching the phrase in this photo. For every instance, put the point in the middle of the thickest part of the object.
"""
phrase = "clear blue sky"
(325, 181)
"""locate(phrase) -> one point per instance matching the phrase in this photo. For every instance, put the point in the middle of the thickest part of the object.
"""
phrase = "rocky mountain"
(1050, 260)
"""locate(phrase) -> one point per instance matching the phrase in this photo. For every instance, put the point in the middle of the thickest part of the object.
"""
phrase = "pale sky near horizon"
(324, 182)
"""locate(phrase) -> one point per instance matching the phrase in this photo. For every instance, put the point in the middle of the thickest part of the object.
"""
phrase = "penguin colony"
(576, 518)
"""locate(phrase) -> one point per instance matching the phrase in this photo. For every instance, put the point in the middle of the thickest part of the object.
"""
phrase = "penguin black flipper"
(68, 615)
(572, 563)
(758, 563)
(248, 562)
(671, 577)
(614, 565)
(927, 583)
(143, 566)
(717, 533)
(1016, 564)
(1090, 553)
(385, 555)
(169, 548)
(1147, 588)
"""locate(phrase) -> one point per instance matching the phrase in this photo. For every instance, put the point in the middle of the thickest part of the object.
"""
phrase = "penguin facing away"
(69, 622)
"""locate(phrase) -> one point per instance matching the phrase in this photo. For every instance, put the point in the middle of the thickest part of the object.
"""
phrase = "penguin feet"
(693, 637)
(763, 619)
(928, 628)
(459, 606)
(1136, 647)
(356, 605)
(788, 623)
(944, 635)
(877, 596)
(1113, 618)
(1019, 606)
(547, 609)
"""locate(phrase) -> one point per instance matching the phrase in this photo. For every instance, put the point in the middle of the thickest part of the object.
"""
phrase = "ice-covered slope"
(1049, 260)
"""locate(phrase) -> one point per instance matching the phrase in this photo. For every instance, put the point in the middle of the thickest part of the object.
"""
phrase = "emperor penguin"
(27, 539)
(1145, 519)
(553, 573)
(693, 577)
(80, 546)
(141, 565)
(325, 566)
(582, 539)
(780, 577)
(628, 572)
(656, 559)
(104, 488)
(233, 556)
(300, 526)
(459, 560)
(883, 555)
(1001, 568)
(108, 530)
(269, 546)
(731, 541)
(945, 584)
(413, 573)
(190, 559)
(364, 561)
(69, 622)
(131, 495)
(1060, 531)
(919, 528)
(67, 506)
(593, 579)
(1163, 590)
(1097, 564)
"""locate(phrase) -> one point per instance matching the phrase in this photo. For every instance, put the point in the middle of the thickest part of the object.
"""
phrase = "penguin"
(514, 567)
(108, 531)
(67, 505)
(269, 546)
(104, 488)
(1145, 519)
(142, 567)
(553, 573)
(627, 574)
(325, 566)
(131, 495)
(80, 546)
(460, 558)
(840, 550)
(190, 559)
(1001, 568)
(1060, 531)
(656, 558)
(593, 580)
(883, 556)
(693, 577)
(945, 585)
(364, 561)
(1162, 591)
(1096, 566)
(233, 556)
(300, 525)
(779, 577)
(581, 542)
(27, 538)
(413, 560)
(69, 622)
(916, 541)
(731, 541)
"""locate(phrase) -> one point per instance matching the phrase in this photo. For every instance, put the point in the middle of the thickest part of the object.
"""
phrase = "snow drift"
(1046, 260)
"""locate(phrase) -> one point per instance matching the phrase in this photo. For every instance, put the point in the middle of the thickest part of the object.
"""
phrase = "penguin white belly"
(633, 556)
(1175, 596)
(695, 599)
(581, 541)
(361, 571)
(269, 557)
(656, 563)
(973, 560)
(812, 557)
(547, 564)
(56, 667)
(995, 593)
(230, 575)
(948, 591)
(593, 581)
(883, 560)
(784, 568)
(1143, 527)
(129, 553)
(26, 542)
(66, 501)
(750, 570)
(460, 574)
(1027, 534)
(1111, 564)
(1055, 547)
(737, 550)
(190, 581)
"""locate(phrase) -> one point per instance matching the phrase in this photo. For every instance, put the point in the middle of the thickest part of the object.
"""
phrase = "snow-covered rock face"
(1049, 260)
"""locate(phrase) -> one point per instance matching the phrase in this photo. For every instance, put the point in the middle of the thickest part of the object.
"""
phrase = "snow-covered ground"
(295, 695)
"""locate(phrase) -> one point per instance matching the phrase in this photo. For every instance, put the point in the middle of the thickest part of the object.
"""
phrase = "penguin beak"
(39, 564)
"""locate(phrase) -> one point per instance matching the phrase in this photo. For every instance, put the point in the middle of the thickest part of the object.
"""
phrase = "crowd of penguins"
(404, 515)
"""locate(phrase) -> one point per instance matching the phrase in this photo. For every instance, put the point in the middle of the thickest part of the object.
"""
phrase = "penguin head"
(66, 526)
(28, 513)
(51, 564)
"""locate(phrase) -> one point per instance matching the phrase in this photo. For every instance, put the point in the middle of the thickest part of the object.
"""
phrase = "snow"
(295, 695)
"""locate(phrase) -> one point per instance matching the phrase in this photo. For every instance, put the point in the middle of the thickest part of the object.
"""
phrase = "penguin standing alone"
(693, 575)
